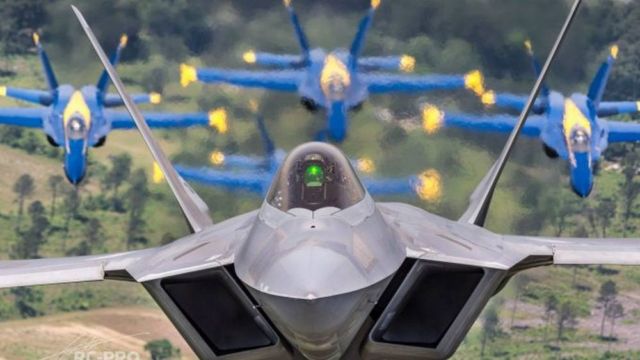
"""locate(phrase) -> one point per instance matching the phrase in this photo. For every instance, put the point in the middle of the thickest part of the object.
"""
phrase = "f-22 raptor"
(321, 271)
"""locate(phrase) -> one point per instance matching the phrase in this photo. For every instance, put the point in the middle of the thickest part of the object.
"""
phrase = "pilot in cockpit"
(579, 140)
(315, 176)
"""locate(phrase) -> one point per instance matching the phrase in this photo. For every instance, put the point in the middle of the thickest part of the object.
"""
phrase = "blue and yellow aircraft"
(254, 174)
(337, 81)
(78, 119)
(571, 128)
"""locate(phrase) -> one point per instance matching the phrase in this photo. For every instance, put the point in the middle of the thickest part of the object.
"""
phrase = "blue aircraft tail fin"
(52, 82)
(599, 82)
(363, 28)
(103, 81)
(544, 90)
(300, 35)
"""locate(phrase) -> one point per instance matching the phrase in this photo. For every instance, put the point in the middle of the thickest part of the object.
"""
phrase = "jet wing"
(66, 270)
(623, 131)
(379, 83)
(252, 181)
(26, 117)
(511, 101)
(282, 80)
(158, 120)
(609, 108)
(581, 251)
(494, 123)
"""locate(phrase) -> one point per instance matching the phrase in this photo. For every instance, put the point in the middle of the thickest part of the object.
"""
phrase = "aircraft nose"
(581, 175)
(75, 165)
(337, 126)
(317, 294)
(313, 271)
(74, 170)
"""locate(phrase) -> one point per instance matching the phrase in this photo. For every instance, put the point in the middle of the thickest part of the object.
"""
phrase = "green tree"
(118, 174)
(27, 301)
(71, 206)
(564, 206)
(606, 212)
(32, 239)
(162, 349)
(566, 319)
(137, 196)
(22, 18)
(55, 183)
(629, 188)
(490, 327)
(550, 308)
(608, 294)
(93, 238)
(614, 311)
(520, 284)
(23, 188)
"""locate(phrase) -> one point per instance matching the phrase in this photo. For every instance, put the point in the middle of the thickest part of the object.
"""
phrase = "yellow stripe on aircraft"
(156, 174)
(365, 165)
(574, 118)
(614, 51)
(188, 74)
(216, 158)
(432, 119)
(123, 40)
(429, 186)
(407, 63)
(249, 57)
(77, 105)
(333, 70)
(155, 98)
(218, 120)
(474, 81)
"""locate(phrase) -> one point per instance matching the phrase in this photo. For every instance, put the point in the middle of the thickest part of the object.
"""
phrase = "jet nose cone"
(75, 177)
(337, 121)
(581, 189)
(321, 328)
(75, 168)
(581, 175)
(312, 272)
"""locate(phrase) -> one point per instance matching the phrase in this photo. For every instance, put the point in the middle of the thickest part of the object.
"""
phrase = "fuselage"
(574, 133)
(318, 273)
(75, 122)
(331, 84)
(319, 253)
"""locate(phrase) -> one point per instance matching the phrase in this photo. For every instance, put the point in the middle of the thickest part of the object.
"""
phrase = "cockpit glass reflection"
(336, 89)
(76, 129)
(315, 176)
(579, 140)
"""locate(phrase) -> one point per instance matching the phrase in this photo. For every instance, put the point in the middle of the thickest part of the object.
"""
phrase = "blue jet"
(571, 128)
(254, 174)
(336, 81)
(76, 119)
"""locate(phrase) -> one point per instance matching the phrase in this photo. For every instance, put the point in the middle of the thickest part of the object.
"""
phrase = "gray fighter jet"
(321, 271)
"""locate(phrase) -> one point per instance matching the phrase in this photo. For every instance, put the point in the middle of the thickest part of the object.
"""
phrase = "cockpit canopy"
(579, 139)
(314, 176)
(76, 129)
(335, 88)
